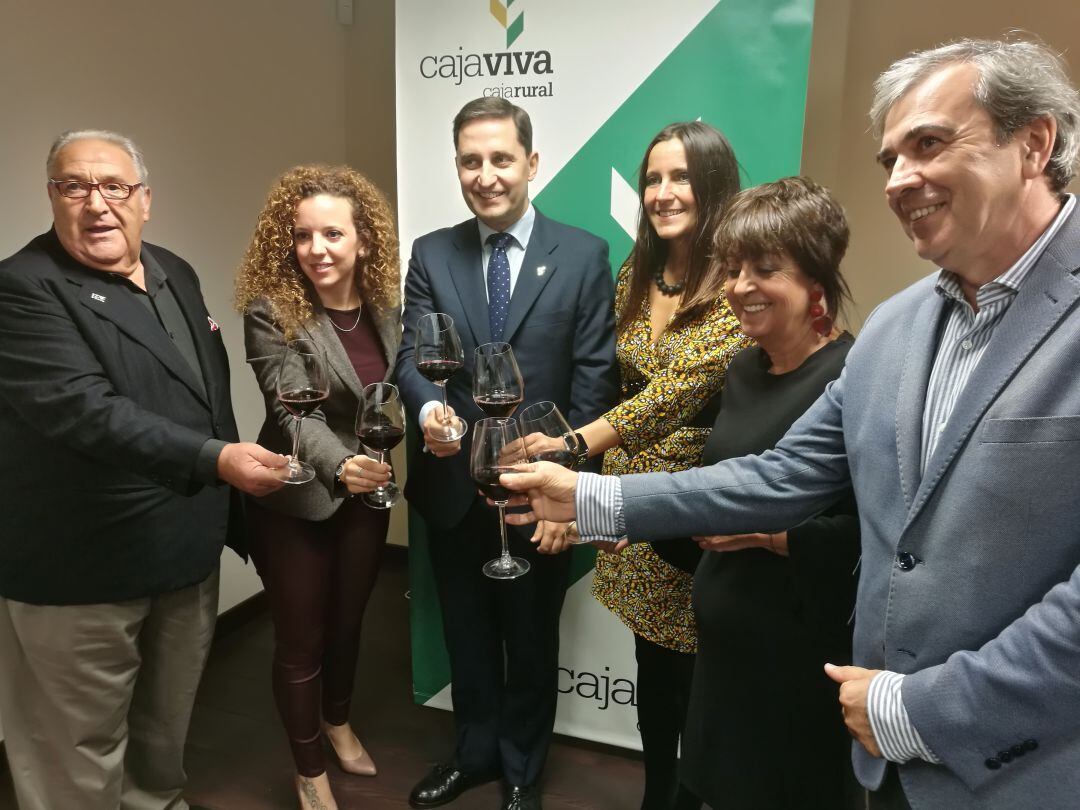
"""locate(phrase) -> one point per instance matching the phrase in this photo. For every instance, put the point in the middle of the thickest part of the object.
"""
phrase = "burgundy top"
(361, 344)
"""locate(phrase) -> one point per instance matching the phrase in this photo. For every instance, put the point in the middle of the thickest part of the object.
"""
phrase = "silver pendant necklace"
(359, 312)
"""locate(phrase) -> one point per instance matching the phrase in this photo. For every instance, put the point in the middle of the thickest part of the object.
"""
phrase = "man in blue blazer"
(957, 421)
(548, 292)
(117, 435)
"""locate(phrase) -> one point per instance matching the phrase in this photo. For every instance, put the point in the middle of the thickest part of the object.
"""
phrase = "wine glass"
(302, 386)
(497, 386)
(496, 446)
(438, 357)
(380, 425)
(548, 437)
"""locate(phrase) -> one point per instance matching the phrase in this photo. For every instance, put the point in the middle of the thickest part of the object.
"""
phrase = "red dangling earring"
(820, 322)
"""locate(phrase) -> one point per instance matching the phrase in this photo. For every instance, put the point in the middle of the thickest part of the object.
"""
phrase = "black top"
(764, 728)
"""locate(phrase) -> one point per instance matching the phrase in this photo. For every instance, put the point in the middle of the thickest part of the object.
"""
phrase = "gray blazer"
(328, 435)
(969, 582)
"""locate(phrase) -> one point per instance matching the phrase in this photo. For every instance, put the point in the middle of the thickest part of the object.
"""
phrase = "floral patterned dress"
(664, 386)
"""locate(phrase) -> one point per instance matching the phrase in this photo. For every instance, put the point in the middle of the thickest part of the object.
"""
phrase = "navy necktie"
(498, 284)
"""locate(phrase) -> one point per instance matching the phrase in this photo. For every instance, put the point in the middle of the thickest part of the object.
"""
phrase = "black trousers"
(502, 637)
(663, 693)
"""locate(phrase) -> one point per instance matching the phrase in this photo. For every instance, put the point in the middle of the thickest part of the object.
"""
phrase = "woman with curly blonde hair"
(323, 265)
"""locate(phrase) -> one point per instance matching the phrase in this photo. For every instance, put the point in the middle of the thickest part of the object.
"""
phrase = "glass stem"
(295, 463)
(380, 489)
(505, 556)
(445, 412)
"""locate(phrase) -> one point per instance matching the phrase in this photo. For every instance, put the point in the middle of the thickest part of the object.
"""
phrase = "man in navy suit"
(957, 421)
(118, 434)
(508, 274)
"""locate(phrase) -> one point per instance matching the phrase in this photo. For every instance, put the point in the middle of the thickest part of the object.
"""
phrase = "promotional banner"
(599, 80)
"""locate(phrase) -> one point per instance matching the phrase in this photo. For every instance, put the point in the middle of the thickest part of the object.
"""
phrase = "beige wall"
(220, 100)
(864, 36)
(223, 96)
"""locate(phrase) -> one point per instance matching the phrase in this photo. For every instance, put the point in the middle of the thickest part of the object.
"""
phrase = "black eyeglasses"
(110, 190)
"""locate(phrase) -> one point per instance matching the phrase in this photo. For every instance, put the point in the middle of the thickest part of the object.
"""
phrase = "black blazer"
(561, 325)
(101, 498)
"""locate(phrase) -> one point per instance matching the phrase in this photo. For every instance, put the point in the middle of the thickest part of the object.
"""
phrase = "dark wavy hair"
(270, 270)
(714, 179)
(793, 216)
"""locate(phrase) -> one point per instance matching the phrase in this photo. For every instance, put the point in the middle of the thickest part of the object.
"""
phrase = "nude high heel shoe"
(362, 765)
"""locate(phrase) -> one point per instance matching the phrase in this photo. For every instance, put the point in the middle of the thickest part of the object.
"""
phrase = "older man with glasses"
(119, 439)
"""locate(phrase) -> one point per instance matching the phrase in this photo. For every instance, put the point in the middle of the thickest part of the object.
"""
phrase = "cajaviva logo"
(513, 27)
(505, 67)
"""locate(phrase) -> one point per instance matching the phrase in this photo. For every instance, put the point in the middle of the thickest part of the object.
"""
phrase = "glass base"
(506, 568)
(297, 472)
(382, 498)
(455, 429)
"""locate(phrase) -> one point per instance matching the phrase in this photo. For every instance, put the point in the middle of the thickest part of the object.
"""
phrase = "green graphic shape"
(513, 29)
(743, 69)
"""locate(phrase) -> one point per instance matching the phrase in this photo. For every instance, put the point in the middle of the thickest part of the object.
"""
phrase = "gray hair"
(116, 138)
(1018, 82)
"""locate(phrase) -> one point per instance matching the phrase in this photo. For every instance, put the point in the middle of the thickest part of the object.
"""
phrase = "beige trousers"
(95, 700)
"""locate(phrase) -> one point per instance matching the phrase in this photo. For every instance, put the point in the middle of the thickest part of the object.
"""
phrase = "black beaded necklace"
(664, 287)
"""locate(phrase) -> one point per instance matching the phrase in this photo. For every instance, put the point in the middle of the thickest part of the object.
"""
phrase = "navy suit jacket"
(561, 325)
(103, 420)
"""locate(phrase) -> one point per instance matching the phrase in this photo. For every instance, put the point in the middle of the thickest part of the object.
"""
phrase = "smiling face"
(771, 298)
(494, 171)
(327, 247)
(669, 199)
(955, 190)
(99, 233)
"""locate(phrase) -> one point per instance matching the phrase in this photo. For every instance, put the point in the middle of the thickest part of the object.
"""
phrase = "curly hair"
(270, 270)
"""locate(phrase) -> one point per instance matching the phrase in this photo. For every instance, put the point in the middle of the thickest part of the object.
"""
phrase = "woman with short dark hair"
(763, 729)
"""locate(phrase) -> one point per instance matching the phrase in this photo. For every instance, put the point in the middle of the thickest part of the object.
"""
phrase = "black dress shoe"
(444, 784)
(522, 798)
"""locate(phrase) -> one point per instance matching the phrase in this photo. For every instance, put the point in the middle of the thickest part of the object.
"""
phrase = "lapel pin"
(213, 324)
(541, 270)
(98, 297)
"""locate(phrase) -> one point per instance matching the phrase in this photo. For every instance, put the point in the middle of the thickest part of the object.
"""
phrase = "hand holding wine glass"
(380, 425)
(438, 357)
(302, 386)
(496, 447)
(547, 435)
(497, 385)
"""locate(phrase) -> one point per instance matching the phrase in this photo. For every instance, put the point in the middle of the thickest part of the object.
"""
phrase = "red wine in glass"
(439, 356)
(497, 385)
(496, 446)
(302, 386)
(487, 480)
(381, 437)
(498, 403)
(302, 402)
(380, 425)
(548, 436)
(438, 371)
(564, 458)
